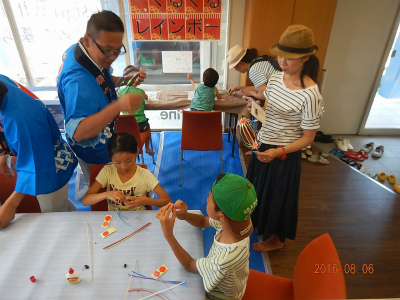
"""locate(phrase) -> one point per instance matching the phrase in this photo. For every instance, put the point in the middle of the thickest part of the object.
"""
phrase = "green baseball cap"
(236, 197)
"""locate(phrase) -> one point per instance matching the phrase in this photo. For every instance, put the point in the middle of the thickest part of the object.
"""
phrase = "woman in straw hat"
(260, 68)
(293, 108)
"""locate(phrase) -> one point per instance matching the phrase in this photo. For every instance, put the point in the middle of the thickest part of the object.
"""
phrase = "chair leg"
(180, 168)
(151, 147)
(229, 127)
(222, 162)
(142, 158)
(235, 116)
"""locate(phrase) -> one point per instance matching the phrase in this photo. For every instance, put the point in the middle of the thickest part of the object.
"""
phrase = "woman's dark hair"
(250, 55)
(311, 67)
(210, 77)
(104, 20)
(122, 142)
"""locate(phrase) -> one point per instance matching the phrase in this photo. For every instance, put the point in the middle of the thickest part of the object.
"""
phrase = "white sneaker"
(348, 145)
(341, 143)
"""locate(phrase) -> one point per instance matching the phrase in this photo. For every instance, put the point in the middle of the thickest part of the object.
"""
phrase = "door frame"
(380, 131)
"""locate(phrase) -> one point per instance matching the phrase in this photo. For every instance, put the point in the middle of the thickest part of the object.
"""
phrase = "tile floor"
(388, 163)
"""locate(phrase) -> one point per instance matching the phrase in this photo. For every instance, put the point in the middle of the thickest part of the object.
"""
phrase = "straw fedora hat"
(297, 41)
(234, 55)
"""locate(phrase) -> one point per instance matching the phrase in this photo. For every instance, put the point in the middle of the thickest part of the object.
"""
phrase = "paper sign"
(177, 61)
(258, 112)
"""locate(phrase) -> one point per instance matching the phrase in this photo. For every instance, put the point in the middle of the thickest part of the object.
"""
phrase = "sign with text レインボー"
(175, 19)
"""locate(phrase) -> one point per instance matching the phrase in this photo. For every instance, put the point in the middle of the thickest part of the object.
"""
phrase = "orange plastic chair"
(29, 204)
(313, 278)
(201, 131)
(102, 205)
(128, 123)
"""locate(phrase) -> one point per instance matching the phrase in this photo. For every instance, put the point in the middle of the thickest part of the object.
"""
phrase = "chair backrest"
(263, 286)
(318, 273)
(102, 205)
(201, 130)
(29, 204)
(128, 123)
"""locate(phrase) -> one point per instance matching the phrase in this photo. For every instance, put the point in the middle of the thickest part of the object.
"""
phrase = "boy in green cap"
(226, 268)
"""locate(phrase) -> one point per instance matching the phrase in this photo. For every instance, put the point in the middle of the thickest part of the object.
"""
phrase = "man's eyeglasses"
(109, 53)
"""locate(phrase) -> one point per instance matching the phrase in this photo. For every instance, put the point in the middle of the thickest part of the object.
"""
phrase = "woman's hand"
(233, 89)
(268, 155)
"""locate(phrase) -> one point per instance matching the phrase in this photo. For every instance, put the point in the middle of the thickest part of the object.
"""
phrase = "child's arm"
(219, 96)
(190, 77)
(193, 219)
(92, 196)
(167, 225)
(163, 199)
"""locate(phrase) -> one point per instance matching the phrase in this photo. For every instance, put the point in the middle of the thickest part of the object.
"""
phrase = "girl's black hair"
(311, 67)
(122, 142)
(250, 55)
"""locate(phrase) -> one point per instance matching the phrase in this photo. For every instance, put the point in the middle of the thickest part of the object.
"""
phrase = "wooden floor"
(363, 219)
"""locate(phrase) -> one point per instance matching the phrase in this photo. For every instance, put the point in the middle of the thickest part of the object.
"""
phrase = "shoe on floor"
(367, 147)
(378, 152)
(382, 176)
(348, 144)
(323, 138)
(336, 152)
(319, 157)
(391, 179)
(308, 150)
(341, 143)
(396, 188)
(359, 156)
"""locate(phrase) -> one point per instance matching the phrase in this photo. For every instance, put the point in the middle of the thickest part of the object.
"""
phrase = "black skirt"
(277, 186)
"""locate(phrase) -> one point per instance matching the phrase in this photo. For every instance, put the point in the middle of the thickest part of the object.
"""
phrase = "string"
(150, 278)
(172, 287)
(120, 216)
(127, 237)
(149, 291)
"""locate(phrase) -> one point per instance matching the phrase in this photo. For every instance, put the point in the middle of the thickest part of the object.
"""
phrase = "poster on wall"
(175, 19)
(177, 61)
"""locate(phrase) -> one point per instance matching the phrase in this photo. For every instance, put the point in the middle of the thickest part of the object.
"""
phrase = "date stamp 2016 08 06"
(347, 269)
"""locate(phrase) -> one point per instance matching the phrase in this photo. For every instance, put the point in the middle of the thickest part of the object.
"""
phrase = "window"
(35, 33)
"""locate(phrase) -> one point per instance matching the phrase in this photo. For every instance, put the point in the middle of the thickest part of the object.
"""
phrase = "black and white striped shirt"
(288, 112)
(260, 72)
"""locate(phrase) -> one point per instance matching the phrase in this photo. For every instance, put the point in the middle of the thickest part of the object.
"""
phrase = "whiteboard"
(177, 61)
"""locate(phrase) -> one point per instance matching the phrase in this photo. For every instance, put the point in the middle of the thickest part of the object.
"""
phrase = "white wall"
(359, 37)
(360, 33)
(235, 35)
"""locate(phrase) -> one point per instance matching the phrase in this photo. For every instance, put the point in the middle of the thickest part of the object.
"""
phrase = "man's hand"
(140, 78)
(131, 101)
(167, 222)
(9, 208)
(4, 170)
